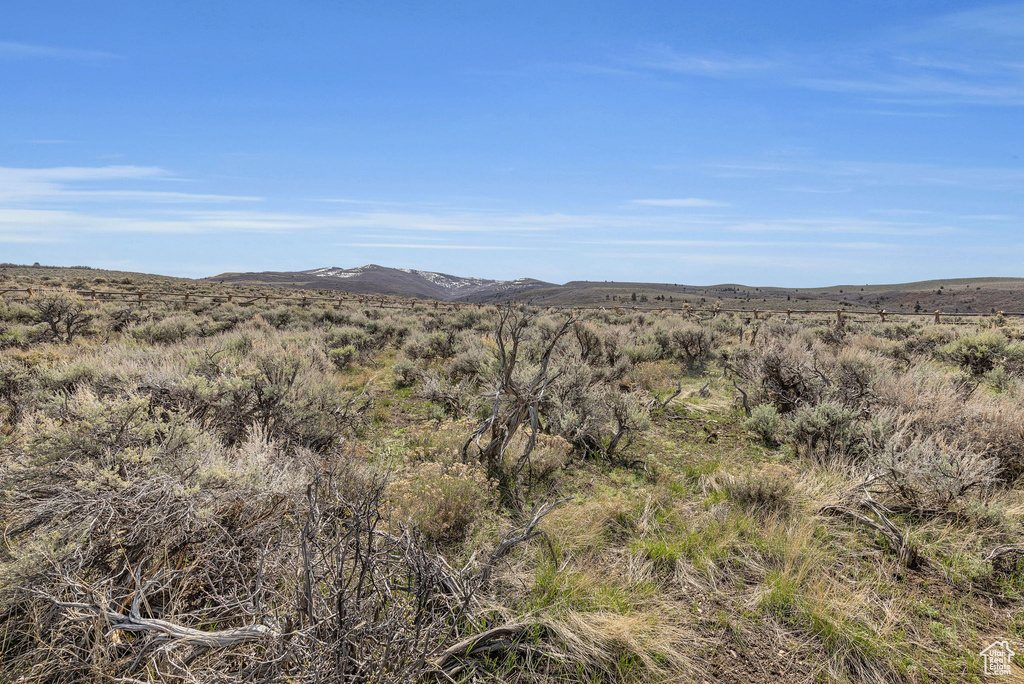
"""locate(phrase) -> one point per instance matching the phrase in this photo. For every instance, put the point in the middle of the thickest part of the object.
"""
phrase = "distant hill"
(398, 282)
(952, 295)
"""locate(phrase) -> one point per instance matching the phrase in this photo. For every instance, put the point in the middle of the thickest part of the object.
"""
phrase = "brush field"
(297, 494)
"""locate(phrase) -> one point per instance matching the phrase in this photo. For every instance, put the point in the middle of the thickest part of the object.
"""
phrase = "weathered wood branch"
(906, 552)
(179, 634)
(501, 640)
(518, 535)
(1004, 558)
(679, 390)
(746, 401)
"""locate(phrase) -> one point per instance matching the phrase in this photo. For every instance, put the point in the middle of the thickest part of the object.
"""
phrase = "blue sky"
(797, 143)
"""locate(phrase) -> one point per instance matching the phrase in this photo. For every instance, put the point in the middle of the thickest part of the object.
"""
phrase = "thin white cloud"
(360, 202)
(885, 174)
(970, 57)
(807, 189)
(217, 220)
(80, 173)
(915, 113)
(985, 25)
(389, 245)
(740, 244)
(923, 87)
(682, 202)
(158, 197)
(733, 260)
(60, 185)
(843, 226)
(14, 50)
(665, 58)
(22, 238)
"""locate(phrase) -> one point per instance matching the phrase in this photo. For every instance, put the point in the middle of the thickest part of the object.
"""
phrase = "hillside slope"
(401, 282)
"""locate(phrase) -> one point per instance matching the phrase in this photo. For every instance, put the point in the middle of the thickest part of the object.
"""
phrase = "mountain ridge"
(384, 280)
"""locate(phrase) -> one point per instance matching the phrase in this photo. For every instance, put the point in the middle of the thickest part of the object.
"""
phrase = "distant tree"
(634, 296)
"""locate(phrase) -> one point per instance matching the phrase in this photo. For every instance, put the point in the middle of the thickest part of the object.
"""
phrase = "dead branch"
(501, 640)
(679, 390)
(746, 402)
(704, 392)
(1004, 558)
(178, 635)
(906, 552)
(518, 535)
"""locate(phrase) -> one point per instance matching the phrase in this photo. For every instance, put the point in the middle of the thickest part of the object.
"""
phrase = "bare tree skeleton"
(516, 403)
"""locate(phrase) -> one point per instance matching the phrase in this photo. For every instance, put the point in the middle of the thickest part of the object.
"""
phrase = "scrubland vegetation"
(267, 493)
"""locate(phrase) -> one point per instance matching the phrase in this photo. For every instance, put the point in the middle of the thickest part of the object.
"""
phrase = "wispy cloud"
(14, 50)
(486, 248)
(971, 57)
(732, 261)
(79, 205)
(62, 184)
(728, 245)
(1001, 23)
(665, 58)
(683, 202)
(913, 113)
(885, 174)
(843, 226)
(25, 238)
(80, 173)
(154, 196)
(358, 202)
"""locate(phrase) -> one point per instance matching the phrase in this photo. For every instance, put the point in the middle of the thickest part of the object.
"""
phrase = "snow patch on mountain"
(420, 283)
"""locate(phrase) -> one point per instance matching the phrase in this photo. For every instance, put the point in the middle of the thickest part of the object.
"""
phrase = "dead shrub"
(852, 376)
(689, 342)
(65, 318)
(786, 375)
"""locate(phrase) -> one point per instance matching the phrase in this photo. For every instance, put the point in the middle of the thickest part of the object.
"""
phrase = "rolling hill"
(399, 282)
(954, 295)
